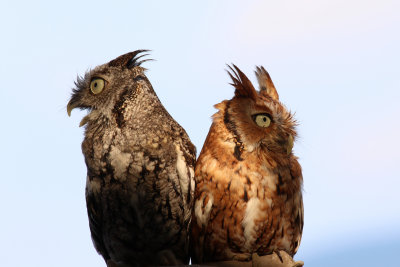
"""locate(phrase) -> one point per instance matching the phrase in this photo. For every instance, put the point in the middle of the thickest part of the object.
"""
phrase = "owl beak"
(289, 144)
(70, 107)
(84, 121)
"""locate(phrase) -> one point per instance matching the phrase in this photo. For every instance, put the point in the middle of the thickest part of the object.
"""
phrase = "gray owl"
(140, 167)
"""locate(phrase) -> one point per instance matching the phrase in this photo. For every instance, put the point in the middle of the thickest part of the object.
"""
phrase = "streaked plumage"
(140, 167)
(248, 182)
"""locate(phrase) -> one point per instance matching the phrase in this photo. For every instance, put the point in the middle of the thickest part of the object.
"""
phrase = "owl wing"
(186, 160)
(299, 223)
(201, 215)
(298, 216)
(178, 200)
(184, 171)
(95, 223)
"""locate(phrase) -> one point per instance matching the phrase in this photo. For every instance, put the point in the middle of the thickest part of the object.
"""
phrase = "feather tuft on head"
(130, 59)
(265, 83)
(242, 84)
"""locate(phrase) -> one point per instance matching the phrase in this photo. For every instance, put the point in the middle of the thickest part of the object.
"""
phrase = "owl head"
(101, 88)
(257, 119)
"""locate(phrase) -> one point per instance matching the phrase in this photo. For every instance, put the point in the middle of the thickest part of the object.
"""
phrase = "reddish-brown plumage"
(248, 183)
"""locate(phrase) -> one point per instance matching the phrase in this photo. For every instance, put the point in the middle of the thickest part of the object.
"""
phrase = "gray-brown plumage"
(140, 163)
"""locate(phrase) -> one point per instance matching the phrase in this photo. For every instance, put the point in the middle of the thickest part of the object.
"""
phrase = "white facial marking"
(250, 147)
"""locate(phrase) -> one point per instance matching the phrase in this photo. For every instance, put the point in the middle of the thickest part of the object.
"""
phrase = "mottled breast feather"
(248, 195)
(140, 168)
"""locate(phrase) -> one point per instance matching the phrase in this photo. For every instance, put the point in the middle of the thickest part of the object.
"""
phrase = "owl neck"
(129, 107)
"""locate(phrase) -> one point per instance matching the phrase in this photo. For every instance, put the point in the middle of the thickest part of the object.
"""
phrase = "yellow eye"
(97, 85)
(262, 120)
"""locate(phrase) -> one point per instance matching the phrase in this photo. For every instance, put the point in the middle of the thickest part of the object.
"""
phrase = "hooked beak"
(70, 107)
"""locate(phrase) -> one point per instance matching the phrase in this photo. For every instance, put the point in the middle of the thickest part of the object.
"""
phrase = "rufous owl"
(248, 196)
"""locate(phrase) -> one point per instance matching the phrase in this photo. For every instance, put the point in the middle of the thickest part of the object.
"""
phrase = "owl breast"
(251, 210)
(139, 196)
(248, 182)
(244, 206)
(140, 167)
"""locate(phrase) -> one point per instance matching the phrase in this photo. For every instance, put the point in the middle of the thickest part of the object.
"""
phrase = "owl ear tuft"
(129, 60)
(243, 86)
(265, 83)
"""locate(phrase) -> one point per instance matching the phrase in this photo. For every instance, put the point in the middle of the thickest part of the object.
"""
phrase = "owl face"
(100, 88)
(258, 119)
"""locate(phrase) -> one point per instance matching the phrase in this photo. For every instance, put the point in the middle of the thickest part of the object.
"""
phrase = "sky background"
(334, 63)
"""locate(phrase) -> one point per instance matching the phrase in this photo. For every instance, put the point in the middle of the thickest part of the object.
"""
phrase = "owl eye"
(262, 120)
(97, 85)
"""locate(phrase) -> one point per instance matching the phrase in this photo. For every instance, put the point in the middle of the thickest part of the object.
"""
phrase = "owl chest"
(126, 157)
(252, 207)
(104, 154)
(242, 181)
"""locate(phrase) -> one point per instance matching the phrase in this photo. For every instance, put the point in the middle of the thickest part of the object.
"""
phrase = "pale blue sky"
(334, 63)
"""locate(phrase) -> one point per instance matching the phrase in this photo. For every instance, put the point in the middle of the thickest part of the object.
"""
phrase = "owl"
(248, 196)
(140, 167)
